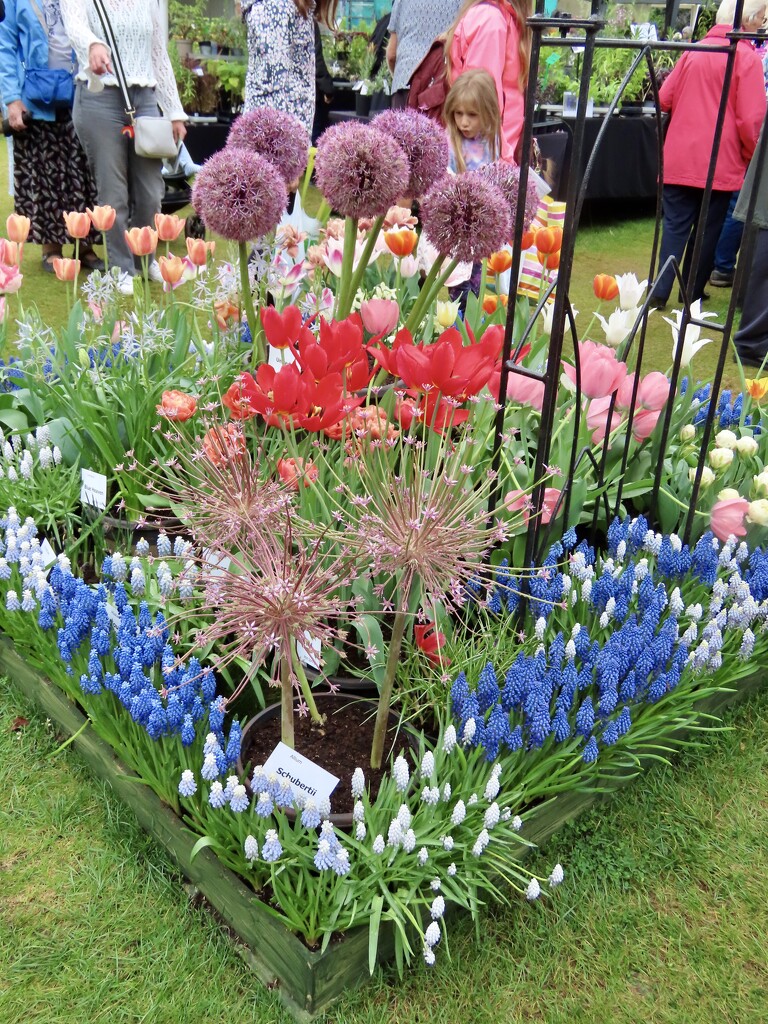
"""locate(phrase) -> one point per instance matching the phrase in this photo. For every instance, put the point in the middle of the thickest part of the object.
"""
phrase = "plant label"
(93, 489)
(307, 778)
(216, 565)
(310, 655)
(49, 555)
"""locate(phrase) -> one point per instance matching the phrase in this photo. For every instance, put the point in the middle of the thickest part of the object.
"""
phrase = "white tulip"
(720, 458)
(630, 290)
(747, 446)
(761, 483)
(728, 494)
(707, 476)
(691, 341)
(758, 512)
(617, 326)
(688, 432)
(726, 439)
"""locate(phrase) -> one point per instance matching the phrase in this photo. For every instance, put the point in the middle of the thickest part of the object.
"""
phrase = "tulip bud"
(720, 458)
(500, 261)
(747, 446)
(409, 267)
(707, 476)
(83, 358)
(725, 439)
(688, 432)
(446, 313)
(606, 287)
(758, 512)
(103, 217)
(761, 483)
(141, 241)
(18, 228)
(548, 240)
(78, 224)
(727, 494)
(66, 269)
(169, 226)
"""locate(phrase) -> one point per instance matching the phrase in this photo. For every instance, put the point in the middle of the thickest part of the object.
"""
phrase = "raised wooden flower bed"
(307, 982)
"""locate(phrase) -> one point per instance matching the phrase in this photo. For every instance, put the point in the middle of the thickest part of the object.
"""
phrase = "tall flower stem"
(306, 689)
(387, 686)
(358, 272)
(246, 301)
(347, 264)
(286, 703)
(430, 289)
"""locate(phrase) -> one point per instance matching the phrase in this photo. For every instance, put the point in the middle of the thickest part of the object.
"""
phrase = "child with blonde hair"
(473, 121)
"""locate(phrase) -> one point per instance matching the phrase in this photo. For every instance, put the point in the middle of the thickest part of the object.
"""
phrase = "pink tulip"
(597, 418)
(601, 372)
(624, 393)
(518, 501)
(551, 498)
(728, 518)
(10, 279)
(523, 390)
(380, 316)
(2, 308)
(653, 391)
(644, 423)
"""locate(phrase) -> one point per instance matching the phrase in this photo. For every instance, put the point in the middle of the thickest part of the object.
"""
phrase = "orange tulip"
(550, 260)
(548, 240)
(291, 471)
(529, 237)
(225, 312)
(66, 270)
(401, 241)
(491, 303)
(18, 227)
(224, 443)
(103, 217)
(141, 241)
(171, 269)
(169, 226)
(78, 224)
(757, 388)
(606, 287)
(177, 405)
(500, 261)
(198, 249)
(10, 253)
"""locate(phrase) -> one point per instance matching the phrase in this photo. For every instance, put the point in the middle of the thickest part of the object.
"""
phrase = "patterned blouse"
(417, 23)
(281, 59)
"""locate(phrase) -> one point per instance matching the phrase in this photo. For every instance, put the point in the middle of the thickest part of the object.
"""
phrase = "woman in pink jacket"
(493, 35)
(692, 96)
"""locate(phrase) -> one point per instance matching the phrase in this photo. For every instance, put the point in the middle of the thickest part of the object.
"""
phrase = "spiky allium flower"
(276, 590)
(360, 171)
(506, 177)
(278, 136)
(424, 142)
(466, 217)
(239, 195)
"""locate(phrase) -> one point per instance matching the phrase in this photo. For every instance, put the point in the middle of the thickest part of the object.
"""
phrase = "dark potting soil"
(340, 745)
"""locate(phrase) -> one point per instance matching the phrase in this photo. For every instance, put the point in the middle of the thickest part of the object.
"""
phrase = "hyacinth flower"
(442, 827)
(622, 649)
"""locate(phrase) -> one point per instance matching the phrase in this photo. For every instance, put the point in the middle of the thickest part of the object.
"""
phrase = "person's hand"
(15, 119)
(328, 100)
(99, 60)
(179, 131)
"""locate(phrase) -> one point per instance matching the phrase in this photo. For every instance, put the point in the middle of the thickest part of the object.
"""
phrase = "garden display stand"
(307, 982)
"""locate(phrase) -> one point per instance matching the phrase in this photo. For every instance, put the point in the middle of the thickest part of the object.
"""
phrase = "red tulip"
(430, 643)
(281, 329)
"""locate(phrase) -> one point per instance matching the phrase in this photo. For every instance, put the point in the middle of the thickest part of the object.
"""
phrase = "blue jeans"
(729, 241)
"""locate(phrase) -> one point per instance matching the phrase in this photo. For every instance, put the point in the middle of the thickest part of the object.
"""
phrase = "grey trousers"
(132, 184)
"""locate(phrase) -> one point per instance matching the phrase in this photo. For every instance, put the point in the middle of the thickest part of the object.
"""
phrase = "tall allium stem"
(286, 702)
(347, 263)
(246, 299)
(358, 272)
(306, 689)
(385, 697)
(429, 292)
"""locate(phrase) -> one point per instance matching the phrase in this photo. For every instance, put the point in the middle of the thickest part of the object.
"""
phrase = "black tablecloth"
(626, 164)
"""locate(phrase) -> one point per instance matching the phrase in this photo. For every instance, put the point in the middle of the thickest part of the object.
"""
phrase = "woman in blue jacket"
(51, 173)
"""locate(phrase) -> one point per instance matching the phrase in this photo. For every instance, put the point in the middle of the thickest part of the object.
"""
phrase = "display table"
(626, 165)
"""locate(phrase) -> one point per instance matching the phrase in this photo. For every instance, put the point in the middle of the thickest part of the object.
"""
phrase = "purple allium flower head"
(424, 142)
(239, 195)
(466, 217)
(359, 170)
(279, 137)
(507, 178)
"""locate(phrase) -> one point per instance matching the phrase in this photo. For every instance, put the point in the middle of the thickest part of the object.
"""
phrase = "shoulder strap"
(111, 42)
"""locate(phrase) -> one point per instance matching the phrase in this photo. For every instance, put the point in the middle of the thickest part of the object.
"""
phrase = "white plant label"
(216, 565)
(49, 555)
(309, 656)
(93, 488)
(307, 778)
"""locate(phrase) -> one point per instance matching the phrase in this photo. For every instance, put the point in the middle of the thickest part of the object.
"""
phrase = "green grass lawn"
(662, 916)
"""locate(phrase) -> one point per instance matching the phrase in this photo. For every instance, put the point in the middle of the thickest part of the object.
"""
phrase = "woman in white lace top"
(132, 184)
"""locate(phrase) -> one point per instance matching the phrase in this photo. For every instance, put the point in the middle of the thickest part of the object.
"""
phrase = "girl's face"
(467, 118)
